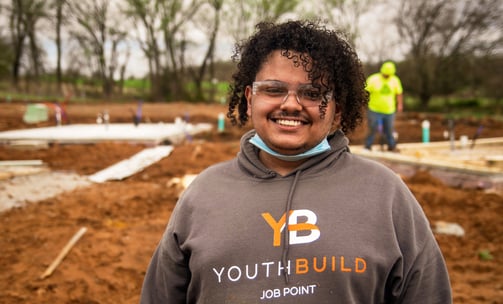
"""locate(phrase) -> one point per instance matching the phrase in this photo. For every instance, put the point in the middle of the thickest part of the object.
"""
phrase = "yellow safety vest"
(383, 93)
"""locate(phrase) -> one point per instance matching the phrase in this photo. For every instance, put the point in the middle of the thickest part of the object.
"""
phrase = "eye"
(273, 90)
(312, 94)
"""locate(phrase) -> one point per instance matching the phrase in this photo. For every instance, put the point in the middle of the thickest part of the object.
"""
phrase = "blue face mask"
(323, 146)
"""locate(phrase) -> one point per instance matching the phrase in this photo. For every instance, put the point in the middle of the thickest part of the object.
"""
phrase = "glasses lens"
(309, 95)
(275, 92)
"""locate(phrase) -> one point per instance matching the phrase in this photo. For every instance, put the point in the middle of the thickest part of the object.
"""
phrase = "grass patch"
(459, 107)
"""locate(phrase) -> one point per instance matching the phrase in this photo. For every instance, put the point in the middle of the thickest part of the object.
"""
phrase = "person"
(386, 98)
(295, 217)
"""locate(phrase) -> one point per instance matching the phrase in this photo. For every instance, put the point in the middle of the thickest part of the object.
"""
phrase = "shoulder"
(374, 80)
(204, 188)
(216, 173)
(396, 80)
(388, 187)
(374, 77)
(370, 169)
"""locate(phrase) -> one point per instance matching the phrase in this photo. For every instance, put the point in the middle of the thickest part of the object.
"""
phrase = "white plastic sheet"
(132, 165)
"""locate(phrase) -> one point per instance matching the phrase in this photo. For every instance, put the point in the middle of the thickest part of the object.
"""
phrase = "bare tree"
(210, 23)
(34, 12)
(98, 38)
(441, 35)
(60, 20)
(342, 14)
(161, 36)
(242, 15)
(6, 54)
(18, 35)
(122, 71)
(23, 18)
(146, 17)
(175, 15)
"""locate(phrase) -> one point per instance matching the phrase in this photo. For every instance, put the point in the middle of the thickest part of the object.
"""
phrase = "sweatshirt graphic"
(339, 229)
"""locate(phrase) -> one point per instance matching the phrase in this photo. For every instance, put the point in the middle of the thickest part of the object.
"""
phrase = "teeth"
(290, 123)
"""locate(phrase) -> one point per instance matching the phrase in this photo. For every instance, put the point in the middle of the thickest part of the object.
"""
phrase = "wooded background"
(69, 49)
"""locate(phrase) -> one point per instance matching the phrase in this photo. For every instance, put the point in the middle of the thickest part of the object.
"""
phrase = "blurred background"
(449, 53)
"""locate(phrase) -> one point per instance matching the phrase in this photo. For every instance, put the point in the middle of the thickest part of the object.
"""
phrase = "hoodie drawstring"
(286, 236)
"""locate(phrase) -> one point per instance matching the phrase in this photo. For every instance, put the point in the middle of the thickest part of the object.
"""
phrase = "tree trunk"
(59, 21)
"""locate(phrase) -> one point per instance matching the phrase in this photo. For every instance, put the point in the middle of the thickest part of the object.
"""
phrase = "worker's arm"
(399, 101)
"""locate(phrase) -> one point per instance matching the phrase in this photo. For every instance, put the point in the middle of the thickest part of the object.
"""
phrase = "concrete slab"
(20, 190)
(29, 181)
(87, 133)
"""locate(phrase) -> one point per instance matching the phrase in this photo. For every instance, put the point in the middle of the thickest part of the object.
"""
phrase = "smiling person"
(295, 217)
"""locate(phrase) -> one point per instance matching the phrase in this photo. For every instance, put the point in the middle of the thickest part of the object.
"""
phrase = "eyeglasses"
(276, 92)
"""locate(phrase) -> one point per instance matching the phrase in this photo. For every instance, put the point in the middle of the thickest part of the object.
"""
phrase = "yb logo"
(301, 226)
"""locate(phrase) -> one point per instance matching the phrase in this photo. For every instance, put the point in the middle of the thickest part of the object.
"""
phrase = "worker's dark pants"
(384, 123)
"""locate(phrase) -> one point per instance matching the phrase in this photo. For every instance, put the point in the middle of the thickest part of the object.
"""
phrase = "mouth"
(288, 122)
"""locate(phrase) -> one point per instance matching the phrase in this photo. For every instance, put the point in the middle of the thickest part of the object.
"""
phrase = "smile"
(289, 123)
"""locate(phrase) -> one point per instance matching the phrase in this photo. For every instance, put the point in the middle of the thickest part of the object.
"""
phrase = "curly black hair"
(325, 55)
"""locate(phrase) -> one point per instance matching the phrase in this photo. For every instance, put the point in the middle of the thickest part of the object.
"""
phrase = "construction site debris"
(36, 113)
(132, 165)
(448, 228)
(63, 253)
(181, 183)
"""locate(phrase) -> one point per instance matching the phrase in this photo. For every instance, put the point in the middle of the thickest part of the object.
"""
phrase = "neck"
(282, 167)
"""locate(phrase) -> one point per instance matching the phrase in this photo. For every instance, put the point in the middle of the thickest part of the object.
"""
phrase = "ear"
(336, 123)
(338, 113)
(248, 95)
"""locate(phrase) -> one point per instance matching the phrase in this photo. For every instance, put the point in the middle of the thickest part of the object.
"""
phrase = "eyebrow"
(276, 80)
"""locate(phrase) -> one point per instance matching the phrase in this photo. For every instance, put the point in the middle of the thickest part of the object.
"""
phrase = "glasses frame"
(281, 99)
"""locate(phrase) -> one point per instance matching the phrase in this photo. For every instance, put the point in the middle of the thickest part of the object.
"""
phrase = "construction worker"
(385, 99)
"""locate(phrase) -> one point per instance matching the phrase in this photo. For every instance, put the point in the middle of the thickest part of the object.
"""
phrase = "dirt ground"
(125, 219)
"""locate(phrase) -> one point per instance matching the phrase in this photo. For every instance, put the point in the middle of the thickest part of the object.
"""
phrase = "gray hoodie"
(355, 235)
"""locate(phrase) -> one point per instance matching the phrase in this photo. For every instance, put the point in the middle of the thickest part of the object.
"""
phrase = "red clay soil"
(125, 219)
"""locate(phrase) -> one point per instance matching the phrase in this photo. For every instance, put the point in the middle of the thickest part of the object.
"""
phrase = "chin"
(290, 148)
